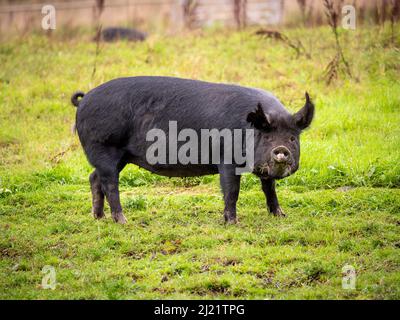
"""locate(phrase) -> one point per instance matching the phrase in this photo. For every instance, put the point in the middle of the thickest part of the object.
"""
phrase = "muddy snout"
(281, 155)
(279, 164)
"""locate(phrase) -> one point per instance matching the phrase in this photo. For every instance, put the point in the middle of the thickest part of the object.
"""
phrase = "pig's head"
(277, 140)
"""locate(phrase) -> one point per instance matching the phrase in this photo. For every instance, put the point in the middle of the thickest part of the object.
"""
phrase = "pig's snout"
(281, 155)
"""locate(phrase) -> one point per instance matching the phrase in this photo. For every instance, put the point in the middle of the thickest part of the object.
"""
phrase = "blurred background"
(170, 16)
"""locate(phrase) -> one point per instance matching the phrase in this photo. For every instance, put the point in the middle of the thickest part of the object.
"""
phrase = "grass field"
(343, 205)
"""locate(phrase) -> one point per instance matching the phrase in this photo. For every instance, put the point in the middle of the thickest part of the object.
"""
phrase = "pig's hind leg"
(109, 161)
(97, 195)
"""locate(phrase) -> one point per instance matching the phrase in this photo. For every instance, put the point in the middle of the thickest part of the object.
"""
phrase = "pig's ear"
(305, 115)
(258, 119)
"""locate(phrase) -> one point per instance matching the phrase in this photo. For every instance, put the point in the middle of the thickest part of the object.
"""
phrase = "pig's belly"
(177, 170)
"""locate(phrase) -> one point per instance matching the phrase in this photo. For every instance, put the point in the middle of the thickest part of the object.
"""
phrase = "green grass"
(343, 204)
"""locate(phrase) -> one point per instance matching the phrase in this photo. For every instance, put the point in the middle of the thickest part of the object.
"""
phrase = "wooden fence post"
(239, 12)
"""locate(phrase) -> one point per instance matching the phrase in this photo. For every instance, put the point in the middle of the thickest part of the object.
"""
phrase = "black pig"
(112, 34)
(113, 120)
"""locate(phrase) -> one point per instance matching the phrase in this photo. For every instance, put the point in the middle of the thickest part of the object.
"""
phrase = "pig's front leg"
(268, 186)
(230, 185)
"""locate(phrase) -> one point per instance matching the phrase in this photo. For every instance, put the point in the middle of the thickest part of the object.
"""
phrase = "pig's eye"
(268, 137)
(292, 139)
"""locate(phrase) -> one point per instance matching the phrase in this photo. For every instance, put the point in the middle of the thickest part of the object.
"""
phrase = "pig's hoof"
(279, 212)
(229, 219)
(98, 215)
(119, 217)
